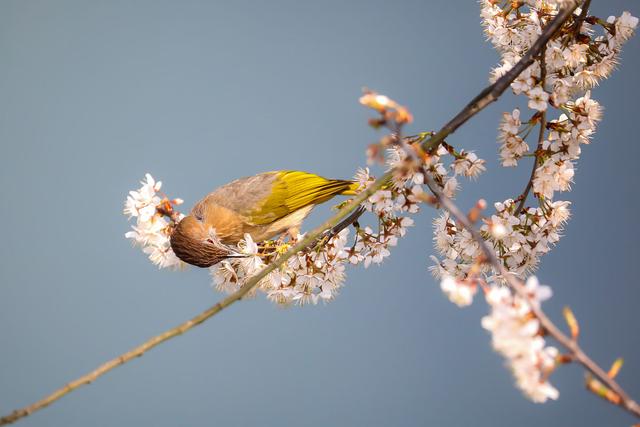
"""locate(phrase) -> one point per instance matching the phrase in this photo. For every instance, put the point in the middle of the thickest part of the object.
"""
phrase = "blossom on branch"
(557, 79)
(154, 222)
(513, 146)
(517, 335)
(459, 293)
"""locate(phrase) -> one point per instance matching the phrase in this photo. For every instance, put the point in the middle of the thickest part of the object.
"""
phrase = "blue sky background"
(93, 94)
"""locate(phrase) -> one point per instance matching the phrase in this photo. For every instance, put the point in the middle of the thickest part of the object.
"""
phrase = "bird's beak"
(237, 255)
(233, 253)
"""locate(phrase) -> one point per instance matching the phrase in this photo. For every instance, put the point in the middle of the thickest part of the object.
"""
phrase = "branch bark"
(525, 194)
(541, 134)
(477, 104)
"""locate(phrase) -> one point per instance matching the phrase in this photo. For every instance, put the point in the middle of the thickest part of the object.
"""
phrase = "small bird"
(264, 206)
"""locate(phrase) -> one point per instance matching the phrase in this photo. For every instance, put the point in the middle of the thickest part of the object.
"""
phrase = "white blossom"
(151, 230)
(142, 202)
(538, 99)
(625, 25)
(575, 55)
(516, 334)
(459, 293)
(519, 240)
(512, 145)
(469, 165)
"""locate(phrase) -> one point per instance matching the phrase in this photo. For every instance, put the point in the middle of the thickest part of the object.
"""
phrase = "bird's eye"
(210, 241)
(198, 216)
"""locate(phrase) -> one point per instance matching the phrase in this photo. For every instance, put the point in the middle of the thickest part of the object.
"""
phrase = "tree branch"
(583, 15)
(518, 286)
(477, 104)
(543, 125)
(525, 193)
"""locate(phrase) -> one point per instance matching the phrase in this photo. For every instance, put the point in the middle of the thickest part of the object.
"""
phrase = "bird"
(264, 206)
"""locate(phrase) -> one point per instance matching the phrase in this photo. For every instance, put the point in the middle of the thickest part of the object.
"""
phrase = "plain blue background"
(93, 94)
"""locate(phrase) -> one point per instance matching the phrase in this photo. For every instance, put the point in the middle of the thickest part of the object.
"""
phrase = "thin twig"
(336, 229)
(541, 133)
(525, 193)
(484, 98)
(518, 286)
(581, 18)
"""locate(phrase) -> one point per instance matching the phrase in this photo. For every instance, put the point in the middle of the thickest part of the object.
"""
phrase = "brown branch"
(543, 124)
(484, 98)
(525, 193)
(581, 18)
(518, 286)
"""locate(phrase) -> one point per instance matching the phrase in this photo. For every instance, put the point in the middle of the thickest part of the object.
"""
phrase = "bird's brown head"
(194, 244)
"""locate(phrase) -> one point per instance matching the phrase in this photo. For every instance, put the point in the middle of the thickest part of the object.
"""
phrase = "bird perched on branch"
(264, 206)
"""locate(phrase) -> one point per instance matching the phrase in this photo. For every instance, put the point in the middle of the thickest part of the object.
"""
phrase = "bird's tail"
(298, 189)
(351, 188)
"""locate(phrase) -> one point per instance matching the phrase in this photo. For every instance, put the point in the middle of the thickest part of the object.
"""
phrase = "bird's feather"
(294, 190)
(239, 196)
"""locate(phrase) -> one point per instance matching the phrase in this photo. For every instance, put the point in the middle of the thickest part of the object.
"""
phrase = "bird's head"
(196, 244)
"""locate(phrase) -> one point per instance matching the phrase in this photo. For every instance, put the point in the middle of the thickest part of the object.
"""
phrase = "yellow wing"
(293, 190)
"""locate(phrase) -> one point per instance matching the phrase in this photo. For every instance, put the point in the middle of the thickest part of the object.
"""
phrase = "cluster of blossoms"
(519, 234)
(308, 277)
(517, 335)
(520, 239)
(155, 219)
(409, 164)
(562, 147)
(576, 59)
(573, 62)
(556, 154)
